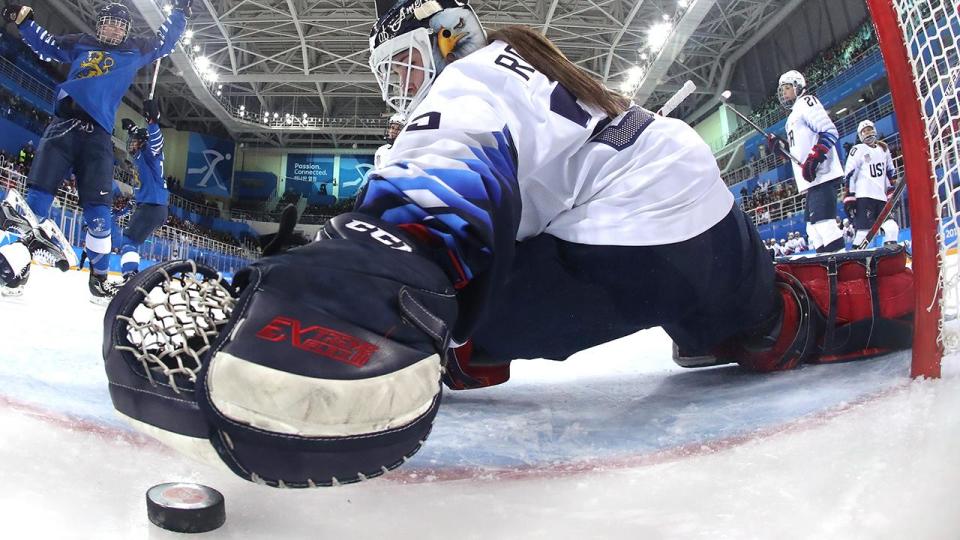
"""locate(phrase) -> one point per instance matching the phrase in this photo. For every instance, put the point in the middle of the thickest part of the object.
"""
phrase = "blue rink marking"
(521, 424)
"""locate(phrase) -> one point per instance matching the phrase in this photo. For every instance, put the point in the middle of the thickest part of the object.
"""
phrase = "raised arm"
(48, 47)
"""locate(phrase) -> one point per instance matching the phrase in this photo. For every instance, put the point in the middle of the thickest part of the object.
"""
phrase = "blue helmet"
(113, 24)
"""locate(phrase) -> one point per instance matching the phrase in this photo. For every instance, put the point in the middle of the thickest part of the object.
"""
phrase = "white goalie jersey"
(493, 127)
(806, 122)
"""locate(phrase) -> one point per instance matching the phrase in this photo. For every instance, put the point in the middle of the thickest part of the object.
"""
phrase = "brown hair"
(535, 48)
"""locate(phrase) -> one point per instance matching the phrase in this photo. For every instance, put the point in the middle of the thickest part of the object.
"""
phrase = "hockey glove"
(128, 124)
(850, 204)
(817, 156)
(777, 146)
(324, 369)
(151, 111)
(16, 14)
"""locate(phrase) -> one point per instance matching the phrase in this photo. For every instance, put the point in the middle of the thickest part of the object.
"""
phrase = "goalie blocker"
(837, 307)
(318, 366)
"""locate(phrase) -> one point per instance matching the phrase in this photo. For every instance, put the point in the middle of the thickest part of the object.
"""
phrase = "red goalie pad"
(865, 299)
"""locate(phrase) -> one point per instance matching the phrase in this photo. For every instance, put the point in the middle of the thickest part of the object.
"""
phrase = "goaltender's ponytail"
(543, 55)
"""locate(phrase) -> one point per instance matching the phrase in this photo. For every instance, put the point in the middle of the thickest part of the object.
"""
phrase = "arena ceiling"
(296, 57)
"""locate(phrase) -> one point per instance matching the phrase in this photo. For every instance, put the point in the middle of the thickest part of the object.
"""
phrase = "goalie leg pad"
(793, 335)
(865, 298)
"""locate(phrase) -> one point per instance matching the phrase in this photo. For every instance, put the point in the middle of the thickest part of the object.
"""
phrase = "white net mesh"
(175, 324)
(931, 30)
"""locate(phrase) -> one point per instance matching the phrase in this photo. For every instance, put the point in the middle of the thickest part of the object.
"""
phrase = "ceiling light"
(657, 35)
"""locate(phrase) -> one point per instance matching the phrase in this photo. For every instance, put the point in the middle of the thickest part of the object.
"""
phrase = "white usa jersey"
(868, 171)
(637, 180)
(807, 121)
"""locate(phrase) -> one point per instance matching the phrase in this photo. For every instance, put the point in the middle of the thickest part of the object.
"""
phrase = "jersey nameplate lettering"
(511, 60)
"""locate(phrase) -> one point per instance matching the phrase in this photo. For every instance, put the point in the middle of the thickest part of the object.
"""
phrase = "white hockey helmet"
(412, 43)
(795, 80)
(394, 127)
(870, 137)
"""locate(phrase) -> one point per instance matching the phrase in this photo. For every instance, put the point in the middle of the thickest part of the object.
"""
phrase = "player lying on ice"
(524, 212)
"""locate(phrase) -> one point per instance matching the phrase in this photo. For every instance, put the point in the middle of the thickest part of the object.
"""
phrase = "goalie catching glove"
(318, 366)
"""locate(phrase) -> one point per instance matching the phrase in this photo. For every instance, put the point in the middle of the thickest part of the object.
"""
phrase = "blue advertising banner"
(209, 165)
(353, 174)
(310, 174)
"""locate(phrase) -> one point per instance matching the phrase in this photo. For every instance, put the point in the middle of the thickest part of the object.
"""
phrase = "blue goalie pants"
(563, 297)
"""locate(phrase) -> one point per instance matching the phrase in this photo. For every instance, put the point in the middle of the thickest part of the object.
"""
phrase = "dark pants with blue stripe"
(562, 297)
(146, 218)
(83, 147)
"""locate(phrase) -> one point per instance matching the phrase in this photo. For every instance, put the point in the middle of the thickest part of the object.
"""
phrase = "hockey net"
(920, 42)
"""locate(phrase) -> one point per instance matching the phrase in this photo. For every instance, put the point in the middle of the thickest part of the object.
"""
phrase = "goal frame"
(919, 175)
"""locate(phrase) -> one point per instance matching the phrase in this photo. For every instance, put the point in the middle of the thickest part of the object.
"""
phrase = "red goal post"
(919, 42)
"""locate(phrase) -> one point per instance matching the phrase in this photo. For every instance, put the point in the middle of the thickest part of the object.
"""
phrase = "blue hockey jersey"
(149, 162)
(101, 74)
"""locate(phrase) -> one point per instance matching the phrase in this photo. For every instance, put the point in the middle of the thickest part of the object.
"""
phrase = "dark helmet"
(136, 136)
(113, 14)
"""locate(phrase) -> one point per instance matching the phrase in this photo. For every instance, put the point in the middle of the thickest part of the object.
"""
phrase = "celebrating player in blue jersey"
(102, 67)
(145, 146)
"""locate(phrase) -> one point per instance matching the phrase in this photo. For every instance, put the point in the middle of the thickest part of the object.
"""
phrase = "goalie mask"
(113, 24)
(412, 43)
(791, 80)
(867, 132)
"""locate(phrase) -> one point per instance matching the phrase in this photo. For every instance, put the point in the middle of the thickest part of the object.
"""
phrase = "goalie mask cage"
(919, 43)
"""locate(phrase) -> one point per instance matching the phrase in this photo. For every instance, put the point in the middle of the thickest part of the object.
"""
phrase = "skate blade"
(100, 300)
(7, 292)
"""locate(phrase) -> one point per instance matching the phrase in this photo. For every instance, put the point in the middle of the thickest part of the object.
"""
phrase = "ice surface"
(616, 442)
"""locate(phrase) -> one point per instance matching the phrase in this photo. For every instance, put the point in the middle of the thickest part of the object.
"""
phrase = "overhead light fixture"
(657, 35)
(841, 111)
(634, 76)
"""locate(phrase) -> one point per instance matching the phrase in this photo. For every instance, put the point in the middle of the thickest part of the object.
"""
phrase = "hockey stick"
(725, 95)
(153, 85)
(882, 216)
(676, 99)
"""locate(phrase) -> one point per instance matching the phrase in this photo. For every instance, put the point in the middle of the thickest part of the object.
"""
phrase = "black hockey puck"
(185, 507)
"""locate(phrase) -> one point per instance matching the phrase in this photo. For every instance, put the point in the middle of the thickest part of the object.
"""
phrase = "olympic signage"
(209, 165)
